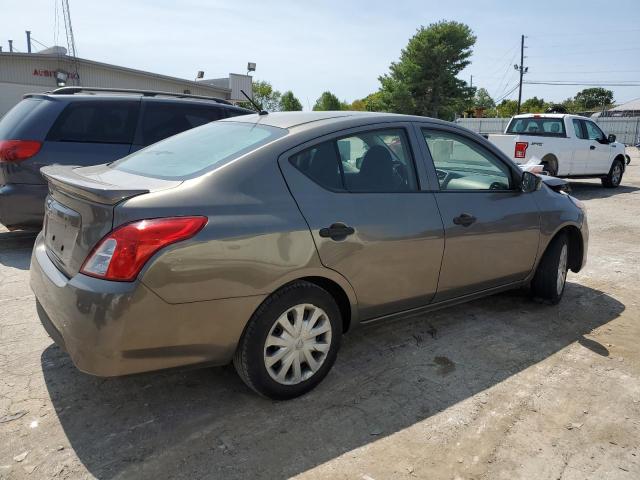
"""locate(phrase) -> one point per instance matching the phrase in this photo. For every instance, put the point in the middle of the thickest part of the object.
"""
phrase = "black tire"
(614, 177)
(545, 283)
(551, 166)
(249, 359)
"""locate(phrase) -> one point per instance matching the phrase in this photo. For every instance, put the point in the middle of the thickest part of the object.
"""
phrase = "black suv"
(86, 126)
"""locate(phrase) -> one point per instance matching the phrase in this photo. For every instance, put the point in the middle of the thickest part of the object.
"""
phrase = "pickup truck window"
(543, 126)
(593, 132)
(577, 128)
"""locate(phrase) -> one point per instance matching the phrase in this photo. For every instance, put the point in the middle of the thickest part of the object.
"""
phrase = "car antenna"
(255, 105)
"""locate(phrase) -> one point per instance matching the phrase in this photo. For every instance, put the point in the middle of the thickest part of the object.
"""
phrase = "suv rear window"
(165, 119)
(192, 152)
(96, 122)
(15, 116)
(537, 126)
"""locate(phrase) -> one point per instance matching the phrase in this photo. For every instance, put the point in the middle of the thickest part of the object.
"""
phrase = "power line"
(592, 84)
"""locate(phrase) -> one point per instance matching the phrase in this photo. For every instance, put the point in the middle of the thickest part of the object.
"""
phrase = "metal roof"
(632, 105)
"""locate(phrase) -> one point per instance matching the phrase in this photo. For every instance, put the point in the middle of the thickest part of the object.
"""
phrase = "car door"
(491, 227)
(360, 195)
(581, 147)
(598, 161)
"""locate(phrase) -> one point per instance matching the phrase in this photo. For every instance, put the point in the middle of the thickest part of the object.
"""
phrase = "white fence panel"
(626, 129)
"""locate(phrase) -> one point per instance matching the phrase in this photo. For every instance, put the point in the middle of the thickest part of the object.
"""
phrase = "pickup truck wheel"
(291, 341)
(614, 177)
(551, 275)
(551, 166)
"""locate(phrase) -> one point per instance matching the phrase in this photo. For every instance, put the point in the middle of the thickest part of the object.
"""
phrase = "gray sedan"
(263, 239)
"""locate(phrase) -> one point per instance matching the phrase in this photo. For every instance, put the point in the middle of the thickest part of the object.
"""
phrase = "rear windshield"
(16, 115)
(192, 152)
(553, 127)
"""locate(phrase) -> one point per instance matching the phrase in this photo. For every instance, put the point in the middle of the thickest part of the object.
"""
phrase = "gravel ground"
(500, 388)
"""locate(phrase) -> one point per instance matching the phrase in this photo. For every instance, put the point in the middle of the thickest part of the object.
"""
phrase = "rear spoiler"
(64, 178)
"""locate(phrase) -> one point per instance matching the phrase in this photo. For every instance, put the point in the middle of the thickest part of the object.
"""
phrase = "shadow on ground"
(591, 190)
(15, 249)
(206, 423)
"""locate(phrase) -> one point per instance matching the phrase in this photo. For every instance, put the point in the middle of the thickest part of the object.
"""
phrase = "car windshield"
(195, 151)
(537, 126)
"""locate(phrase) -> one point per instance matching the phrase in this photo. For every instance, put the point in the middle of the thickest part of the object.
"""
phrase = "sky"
(344, 46)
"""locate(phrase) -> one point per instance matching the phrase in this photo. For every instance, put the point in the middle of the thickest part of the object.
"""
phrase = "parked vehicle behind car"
(568, 146)
(85, 126)
(263, 239)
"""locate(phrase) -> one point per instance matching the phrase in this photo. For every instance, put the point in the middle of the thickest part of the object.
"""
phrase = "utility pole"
(28, 32)
(522, 69)
(11, 45)
(471, 83)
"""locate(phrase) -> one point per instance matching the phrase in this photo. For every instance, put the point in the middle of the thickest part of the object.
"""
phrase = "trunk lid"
(79, 208)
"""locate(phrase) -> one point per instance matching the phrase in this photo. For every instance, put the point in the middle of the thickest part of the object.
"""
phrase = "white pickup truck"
(566, 145)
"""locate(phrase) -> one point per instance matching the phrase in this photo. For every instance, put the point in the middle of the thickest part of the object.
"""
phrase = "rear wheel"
(614, 177)
(550, 278)
(550, 166)
(291, 341)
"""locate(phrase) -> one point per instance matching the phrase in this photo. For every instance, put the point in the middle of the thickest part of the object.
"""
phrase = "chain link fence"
(626, 129)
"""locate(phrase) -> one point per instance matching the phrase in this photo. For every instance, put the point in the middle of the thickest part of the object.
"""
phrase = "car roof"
(294, 119)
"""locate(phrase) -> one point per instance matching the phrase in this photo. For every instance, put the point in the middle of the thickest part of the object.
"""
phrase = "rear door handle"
(592, 147)
(464, 219)
(337, 231)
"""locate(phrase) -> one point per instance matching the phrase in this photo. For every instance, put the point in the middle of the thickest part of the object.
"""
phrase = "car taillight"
(122, 253)
(18, 150)
(521, 149)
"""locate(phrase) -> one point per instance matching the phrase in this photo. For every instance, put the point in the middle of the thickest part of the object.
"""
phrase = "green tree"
(289, 103)
(424, 81)
(328, 101)
(534, 105)
(265, 96)
(483, 100)
(507, 108)
(593, 98)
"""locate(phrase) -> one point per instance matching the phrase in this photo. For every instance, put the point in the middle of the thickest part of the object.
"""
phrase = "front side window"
(198, 150)
(366, 162)
(462, 164)
(96, 122)
(594, 132)
(578, 129)
(537, 126)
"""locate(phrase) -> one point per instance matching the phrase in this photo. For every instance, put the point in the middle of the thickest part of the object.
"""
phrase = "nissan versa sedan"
(262, 239)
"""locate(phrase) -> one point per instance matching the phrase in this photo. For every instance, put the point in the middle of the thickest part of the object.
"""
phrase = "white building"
(22, 73)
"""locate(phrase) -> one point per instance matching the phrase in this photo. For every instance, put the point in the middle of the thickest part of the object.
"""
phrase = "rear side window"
(366, 162)
(163, 119)
(537, 126)
(96, 122)
(198, 150)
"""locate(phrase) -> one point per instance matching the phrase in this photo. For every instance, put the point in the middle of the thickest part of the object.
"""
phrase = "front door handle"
(464, 219)
(592, 147)
(337, 231)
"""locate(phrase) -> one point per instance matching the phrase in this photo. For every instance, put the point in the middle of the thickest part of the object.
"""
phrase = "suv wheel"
(614, 177)
(551, 276)
(291, 341)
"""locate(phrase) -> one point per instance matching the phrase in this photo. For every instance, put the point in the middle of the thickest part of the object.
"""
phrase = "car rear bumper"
(119, 328)
(22, 205)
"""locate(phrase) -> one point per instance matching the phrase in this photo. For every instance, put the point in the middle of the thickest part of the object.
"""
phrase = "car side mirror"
(611, 138)
(530, 182)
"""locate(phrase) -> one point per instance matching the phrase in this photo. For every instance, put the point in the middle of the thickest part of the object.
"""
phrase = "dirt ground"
(501, 388)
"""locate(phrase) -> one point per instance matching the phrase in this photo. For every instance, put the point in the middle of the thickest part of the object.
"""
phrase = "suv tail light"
(18, 150)
(521, 149)
(122, 253)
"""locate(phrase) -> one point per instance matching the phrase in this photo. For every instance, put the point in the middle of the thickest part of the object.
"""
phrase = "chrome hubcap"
(562, 270)
(297, 344)
(616, 174)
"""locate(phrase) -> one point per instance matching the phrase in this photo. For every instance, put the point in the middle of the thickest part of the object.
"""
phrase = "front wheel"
(291, 342)
(614, 177)
(551, 275)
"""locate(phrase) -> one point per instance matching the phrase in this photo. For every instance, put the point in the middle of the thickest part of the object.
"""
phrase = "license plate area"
(61, 227)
